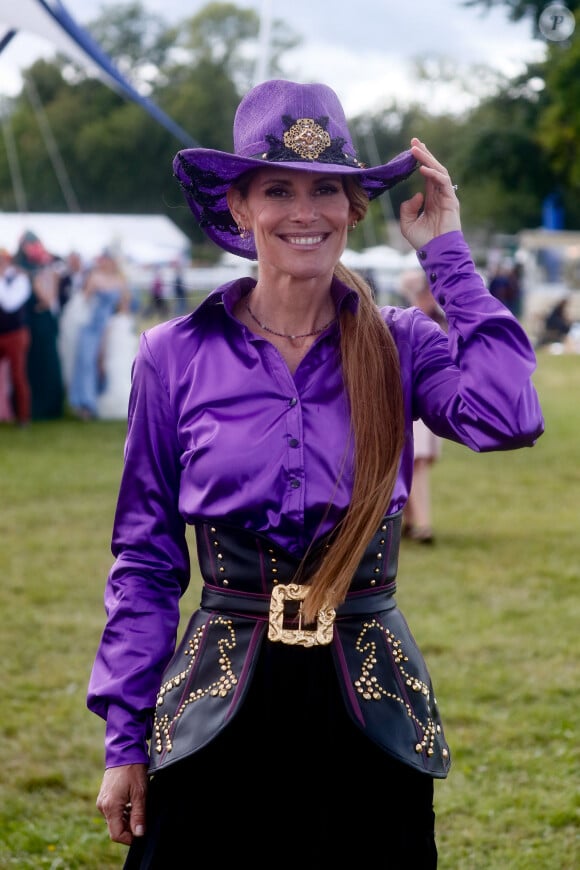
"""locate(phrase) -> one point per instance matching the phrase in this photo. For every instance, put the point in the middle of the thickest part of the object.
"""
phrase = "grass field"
(495, 606)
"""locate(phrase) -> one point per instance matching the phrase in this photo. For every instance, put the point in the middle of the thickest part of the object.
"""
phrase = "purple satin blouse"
(219, 428)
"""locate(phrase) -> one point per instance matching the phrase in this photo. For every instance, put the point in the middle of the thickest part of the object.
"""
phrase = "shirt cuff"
(125, 738)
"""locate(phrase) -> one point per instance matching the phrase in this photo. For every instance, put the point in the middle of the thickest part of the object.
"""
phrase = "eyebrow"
(287, 179)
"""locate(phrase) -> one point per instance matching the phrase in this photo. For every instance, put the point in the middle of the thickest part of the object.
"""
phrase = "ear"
(236, 205)
(354, 216)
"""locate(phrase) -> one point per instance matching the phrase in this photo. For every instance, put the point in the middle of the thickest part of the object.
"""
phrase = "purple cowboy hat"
(301, 126)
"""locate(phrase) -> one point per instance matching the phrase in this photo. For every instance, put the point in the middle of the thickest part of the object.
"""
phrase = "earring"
(353, 225)
(243, 231)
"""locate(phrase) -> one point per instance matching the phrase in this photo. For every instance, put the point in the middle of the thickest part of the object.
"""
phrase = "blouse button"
(433, 276)
(423, 255)
(293, 402)
(295, 484)
(294, 442)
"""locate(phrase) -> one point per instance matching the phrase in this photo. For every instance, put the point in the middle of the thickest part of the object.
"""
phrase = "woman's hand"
(121, 800)
(425, 216)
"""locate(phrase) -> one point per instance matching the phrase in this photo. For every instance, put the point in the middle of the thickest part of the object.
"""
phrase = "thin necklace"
(284, 334)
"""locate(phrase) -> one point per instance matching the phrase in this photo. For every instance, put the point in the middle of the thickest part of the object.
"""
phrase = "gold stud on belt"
(318, 636)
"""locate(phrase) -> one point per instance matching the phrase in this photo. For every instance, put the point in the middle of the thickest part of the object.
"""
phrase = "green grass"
(494, 606)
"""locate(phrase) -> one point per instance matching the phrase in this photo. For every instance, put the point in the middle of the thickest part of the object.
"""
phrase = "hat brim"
(206, 174)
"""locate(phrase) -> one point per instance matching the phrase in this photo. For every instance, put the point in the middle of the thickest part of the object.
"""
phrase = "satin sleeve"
(150, 572)
(472, 384)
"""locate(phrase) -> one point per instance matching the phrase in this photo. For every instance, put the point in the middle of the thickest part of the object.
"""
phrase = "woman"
(296, 724)
(43, 361)
(427, 447)
(15, 290)
(119, 347)
(105, 292)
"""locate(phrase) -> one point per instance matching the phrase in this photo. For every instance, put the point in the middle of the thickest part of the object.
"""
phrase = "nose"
(305, 208)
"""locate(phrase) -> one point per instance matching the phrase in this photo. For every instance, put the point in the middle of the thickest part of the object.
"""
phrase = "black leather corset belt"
(251, 596)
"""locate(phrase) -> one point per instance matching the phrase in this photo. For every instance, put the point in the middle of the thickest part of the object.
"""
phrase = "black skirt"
(291, 782)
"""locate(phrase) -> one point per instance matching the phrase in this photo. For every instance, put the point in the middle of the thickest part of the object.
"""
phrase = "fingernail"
(139, 831)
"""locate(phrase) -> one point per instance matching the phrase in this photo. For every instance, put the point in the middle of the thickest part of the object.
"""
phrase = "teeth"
(305, 240)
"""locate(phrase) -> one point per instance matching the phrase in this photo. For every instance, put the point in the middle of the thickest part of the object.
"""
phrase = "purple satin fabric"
(220, 429)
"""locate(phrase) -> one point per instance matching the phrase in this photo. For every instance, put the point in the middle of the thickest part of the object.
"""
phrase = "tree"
(111, 148)
(139, 41)
(219, 47)
(559, 123)
(224, 36)
(515, 147)
(519, 9)
(379, 137)
(116, 156)
(503, 171)
(58, 104)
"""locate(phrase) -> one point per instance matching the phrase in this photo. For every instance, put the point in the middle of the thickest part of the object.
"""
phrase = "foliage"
(559, 123)
(503, 171)
(519, 9)
(516, 146)
(494, 606)
(225, 37)
(117, 158)
(388, 132)
(139, 41)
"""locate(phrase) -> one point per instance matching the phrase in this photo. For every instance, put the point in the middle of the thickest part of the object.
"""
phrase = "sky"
(366, 54)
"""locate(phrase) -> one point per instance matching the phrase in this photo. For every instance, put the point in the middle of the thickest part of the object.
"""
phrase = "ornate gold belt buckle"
(318, 636)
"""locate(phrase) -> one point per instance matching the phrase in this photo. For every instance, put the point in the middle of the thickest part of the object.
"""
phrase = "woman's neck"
(292, 308)
(291, 321)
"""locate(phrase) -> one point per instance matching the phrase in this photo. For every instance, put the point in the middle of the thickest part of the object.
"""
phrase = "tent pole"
(12, 155)
(52, 148)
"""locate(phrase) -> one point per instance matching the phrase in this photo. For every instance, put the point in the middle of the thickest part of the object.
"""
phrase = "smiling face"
(299, 219)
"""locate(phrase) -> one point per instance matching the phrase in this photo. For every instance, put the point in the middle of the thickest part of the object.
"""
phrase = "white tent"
(381, 257)
(383, 267)
(140, 239)
(351, 259)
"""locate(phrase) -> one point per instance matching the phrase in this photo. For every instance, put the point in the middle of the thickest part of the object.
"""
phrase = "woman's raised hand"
(434, 212)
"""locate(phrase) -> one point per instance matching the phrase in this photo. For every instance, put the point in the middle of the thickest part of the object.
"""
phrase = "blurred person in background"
(75, 312)
(105, 292)
(71, 279)
(557, 324)
(118, 350)
(15, 291)
(179, 291)
(505, 283)
(158, 305)
(427, 447)
(44, 367)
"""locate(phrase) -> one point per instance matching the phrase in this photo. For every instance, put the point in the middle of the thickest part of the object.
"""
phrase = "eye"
(276, 191)
(328, 188)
